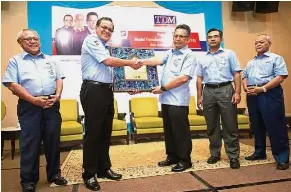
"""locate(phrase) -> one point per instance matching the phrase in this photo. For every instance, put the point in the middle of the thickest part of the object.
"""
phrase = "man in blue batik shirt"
(38, 82)
(217, 70)
(178, 69)
(262, 80)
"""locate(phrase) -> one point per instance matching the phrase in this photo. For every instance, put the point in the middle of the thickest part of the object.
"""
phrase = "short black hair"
(214, 29)
(184, 26)
(68, 15)
(91, 13)
(106, 19)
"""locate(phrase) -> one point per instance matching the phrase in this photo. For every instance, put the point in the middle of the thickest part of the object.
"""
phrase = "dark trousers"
(267, 113)
(38, 124)
(177, 133)
(216, 104)
(98, 106)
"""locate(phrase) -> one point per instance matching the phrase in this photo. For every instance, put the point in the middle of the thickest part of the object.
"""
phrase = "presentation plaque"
(127, 79)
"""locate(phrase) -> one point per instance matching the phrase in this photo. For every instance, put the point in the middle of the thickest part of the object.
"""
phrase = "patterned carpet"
(140, 160)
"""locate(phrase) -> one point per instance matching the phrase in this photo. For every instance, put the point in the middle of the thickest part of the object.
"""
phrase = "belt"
(257, 85)
(45, 96)
(98, 83)
(218, 85)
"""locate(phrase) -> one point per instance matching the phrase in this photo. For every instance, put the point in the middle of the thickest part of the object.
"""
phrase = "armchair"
(197, 122)
(71, 130)
(119, 127)
(146, 121)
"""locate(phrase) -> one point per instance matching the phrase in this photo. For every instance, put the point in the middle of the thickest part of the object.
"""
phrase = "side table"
(11, 131)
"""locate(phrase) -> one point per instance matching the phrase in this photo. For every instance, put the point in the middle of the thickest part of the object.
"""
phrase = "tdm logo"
(165, 20)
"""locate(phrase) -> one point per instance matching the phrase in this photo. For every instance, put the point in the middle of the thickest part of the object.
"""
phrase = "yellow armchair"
(119, 128)
(197, 122)
(146, 120)
(71, 130)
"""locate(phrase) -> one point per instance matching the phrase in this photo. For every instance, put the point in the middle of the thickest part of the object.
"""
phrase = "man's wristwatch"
(264, 89)
(163, 88)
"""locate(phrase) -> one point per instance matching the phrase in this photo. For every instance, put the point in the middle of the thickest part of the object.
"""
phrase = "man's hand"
(51, 101)
(133, 92)
(254, 90)
(135, 64)
(40, 101)
(157, 90)
(199, 103)
(235, 98)
(140, 62)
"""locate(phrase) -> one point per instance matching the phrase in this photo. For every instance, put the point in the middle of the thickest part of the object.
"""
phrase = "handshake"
(136, 63)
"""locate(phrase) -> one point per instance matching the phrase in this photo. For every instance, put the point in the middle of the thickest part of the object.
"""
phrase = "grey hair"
(267, 37)
(20, 33)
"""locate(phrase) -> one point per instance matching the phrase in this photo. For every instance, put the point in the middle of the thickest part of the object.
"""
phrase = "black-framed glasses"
(107, 28)
(30, 39)
(180, 36)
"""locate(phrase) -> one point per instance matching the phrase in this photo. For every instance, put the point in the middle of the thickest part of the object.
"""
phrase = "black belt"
(257, 85)
(45, 95)
(218, 84)
(98, 83)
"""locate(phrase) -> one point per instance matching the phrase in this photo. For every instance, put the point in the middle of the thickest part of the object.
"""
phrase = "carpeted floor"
(140, 160)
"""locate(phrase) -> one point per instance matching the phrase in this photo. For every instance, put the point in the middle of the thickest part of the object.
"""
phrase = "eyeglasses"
(30, 39)
(180, 36)
(107, 28)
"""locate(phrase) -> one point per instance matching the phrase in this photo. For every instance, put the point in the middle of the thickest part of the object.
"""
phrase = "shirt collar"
(267, 53)
(218, 50)
(182, 50)
(103, 42)
(25, 54)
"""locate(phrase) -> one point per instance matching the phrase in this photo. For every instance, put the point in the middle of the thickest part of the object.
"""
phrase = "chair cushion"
(150, 131)
(148, 122)
(198, 127)
(71, 128)
(69, 109)
(192, 106)
(196, 120)
(119, 133)
(144, 107)
(119, 125)
(242, 119)
(78, 137)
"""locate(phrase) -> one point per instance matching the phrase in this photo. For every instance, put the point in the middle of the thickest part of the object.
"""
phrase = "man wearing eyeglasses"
(178, 69)
(217, 70)
(38, 82)
(97, 101)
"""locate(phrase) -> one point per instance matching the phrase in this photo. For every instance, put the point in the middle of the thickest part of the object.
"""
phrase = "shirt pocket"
(266, 68)
(176, 66)
(222, 64)
(50, 71)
